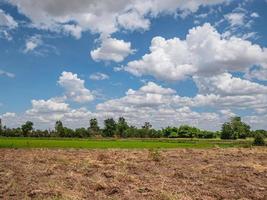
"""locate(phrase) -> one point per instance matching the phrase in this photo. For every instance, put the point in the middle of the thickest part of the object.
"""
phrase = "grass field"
(118, 143)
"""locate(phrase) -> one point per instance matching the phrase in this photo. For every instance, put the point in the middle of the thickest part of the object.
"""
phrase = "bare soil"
(134, 174)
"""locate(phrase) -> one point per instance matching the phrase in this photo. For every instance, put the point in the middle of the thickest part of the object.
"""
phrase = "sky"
(171, 62)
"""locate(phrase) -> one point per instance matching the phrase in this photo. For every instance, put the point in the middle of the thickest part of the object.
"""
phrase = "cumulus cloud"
(46, 110)
(8, 114)
(156, 104)
(103, 16)
(98, 76)
(160, 105)
(112, 49)
(133, 21)
(7, 74)
(153, 88)
(227, 85)
(204, 52)
(44, 113)
(75, 88)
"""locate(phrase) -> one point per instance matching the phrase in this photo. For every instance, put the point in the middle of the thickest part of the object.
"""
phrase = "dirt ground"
(134, 174)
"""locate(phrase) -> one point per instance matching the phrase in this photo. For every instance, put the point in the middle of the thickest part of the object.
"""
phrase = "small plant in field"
(259, 140)
(154, 154)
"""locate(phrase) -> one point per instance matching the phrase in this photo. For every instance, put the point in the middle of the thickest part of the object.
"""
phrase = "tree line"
(234, 129)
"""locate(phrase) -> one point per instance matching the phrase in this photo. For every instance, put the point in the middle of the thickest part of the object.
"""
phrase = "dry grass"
(133, 174)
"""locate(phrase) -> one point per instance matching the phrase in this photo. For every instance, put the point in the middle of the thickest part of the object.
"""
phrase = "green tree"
(1, 129)
(81, 133)
(94, 128)
(68, 132)
(27, 128)
(235, 129)
(147, 125)
(110, 127)
(261, 131)
(186, 131)
(240, 128)
(227, 131)
(59, 128)
(122, 126)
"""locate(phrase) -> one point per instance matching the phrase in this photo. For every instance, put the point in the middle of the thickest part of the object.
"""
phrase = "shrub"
(173, 135)
(259, 140)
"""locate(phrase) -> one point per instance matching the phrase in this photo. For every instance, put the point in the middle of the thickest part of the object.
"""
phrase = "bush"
(259, 140)
(173, 135)
(206, 134)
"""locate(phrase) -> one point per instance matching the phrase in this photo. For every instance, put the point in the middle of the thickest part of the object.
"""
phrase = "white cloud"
(44, 113)
(8, 115)
(98, 76)
(103, 16)
(47, 106)
(133, 21)
(5, 35)
(156, 104)
(47, 110)
(5, 73)
(7, 21)
(112, 49)
(164, 61)
(37, 46)
(250, 35)
(227, 85)
(260, 74)
(255, 15)
(153, 88)
(32, 43)
(235, 19)
(203, 52)
(74, 30)
(74, 87)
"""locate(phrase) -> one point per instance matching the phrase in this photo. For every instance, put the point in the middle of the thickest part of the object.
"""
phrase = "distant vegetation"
(234, 129)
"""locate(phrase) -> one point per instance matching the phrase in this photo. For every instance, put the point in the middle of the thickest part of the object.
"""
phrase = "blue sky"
(170, 63)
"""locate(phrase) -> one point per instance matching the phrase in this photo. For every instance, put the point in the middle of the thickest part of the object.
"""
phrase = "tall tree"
(1, 128)
(27, 128)
(59, 128)
(122, 126)
(110, 127)
(94, 128)
(147, 125)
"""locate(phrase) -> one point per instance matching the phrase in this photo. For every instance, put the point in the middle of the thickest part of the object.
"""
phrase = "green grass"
(118, 143)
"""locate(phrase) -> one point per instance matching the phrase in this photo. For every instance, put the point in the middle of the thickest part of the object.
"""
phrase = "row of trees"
(233, 129)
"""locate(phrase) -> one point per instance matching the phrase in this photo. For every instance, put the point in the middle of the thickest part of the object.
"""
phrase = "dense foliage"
(233, 129)
(259, 140)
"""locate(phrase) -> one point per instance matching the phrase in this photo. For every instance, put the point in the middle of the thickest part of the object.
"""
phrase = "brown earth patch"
(133, 174)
